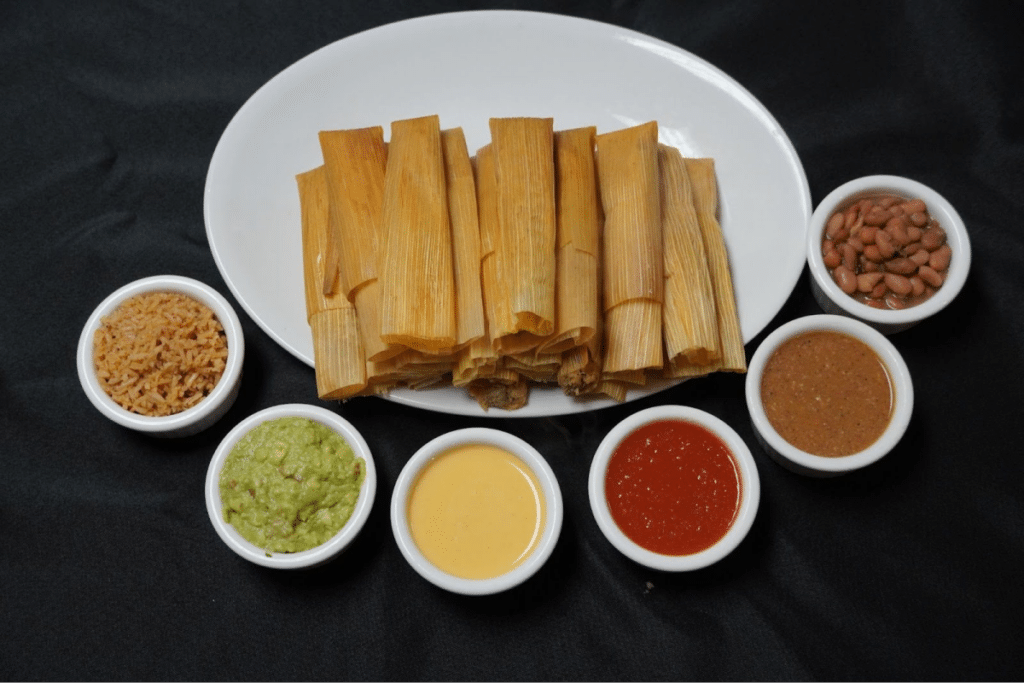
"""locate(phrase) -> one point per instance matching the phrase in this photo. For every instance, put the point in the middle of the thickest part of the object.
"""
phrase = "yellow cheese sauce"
(476, 511)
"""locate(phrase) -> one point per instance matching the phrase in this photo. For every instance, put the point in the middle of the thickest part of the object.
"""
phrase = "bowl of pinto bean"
(888, 251)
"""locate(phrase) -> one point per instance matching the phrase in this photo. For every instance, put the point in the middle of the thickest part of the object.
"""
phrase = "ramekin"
(833, 300)
(802, 462)
(306, 558)
(750, 487)
(199, 416)
(552, 505)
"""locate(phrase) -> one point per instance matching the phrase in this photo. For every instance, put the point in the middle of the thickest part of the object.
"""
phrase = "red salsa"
(673, 487)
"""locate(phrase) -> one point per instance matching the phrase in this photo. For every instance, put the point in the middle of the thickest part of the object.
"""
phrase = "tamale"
(689, 313)
(578, 223)
(337, 350)
(704, 184)
(633, 269)
(465, 231)
(415, 263)
(338, 358)
(524, 250)
(578, 211)
(483, 355)
(355, 160)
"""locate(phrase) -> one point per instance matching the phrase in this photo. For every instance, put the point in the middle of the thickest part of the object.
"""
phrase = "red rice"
(159, 353)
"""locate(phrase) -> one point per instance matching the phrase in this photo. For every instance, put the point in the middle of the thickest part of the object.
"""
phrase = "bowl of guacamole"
(290, 486)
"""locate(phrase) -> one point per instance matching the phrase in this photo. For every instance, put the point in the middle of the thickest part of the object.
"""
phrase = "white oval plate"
(470, 66)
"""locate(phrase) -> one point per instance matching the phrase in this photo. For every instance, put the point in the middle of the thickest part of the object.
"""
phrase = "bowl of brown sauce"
(828, 395)
(887, 250)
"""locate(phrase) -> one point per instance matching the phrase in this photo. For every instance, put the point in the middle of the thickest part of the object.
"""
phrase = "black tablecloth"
(109, 567)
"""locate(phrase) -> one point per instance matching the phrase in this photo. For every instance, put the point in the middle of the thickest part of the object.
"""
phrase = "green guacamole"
(290, 484)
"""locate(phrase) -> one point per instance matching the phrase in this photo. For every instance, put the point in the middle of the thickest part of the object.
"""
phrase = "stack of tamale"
(591, 262)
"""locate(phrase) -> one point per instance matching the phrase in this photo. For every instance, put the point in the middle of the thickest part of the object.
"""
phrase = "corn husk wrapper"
(355, 160)
(415, 263)
(704, 184)
(537, 367)
(524, 248)
(480, 359)
(337, 350)
(690, 313)
(627, 164)
(578, 221)
(471, 324)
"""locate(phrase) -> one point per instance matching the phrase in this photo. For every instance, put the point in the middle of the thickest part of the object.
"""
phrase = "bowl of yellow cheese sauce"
(476, 511)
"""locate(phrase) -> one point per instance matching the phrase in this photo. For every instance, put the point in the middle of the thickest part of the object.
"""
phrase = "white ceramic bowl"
(750, 486)
(833, 300)
(306, 558)
(801, 461)
(196, 418)
(552, 504)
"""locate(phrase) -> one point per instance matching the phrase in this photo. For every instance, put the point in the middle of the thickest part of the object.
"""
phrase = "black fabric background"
(109, 569)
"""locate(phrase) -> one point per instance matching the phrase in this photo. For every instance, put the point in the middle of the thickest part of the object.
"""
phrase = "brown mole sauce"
(827, 393)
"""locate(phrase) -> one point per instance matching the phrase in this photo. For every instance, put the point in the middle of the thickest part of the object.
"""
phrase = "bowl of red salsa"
(674, 488)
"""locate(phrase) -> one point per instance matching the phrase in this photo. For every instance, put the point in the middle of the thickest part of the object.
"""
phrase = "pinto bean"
(916, 285)
(895, 301)
(898, 284)
(877, 216)
(885, 243)
(901, 266)
(849, 255)
(833, 259)
(834, 224)
(933, 238)
(850, 217)
(845, 278)
(919, 219)
(867, 281)
(920, 257)
(940, 258)
(914, 206)
(897, 228)
(930, 276)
